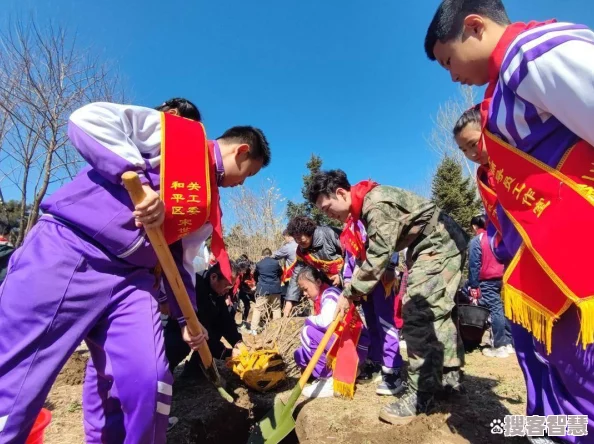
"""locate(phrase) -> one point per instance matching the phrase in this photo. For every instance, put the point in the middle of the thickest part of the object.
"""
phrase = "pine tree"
(455, 194)
(306, 208)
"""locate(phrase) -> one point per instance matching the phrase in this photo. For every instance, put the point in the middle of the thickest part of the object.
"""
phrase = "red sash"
(187, 185)
(288, 272)
(351, 239)
(343, 357)
(545, 205)
(185, 176)
(330, 268)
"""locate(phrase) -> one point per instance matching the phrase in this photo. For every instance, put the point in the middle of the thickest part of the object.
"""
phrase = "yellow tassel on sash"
(344, 389)
(527, 313)
(539, 322)
(586, 309)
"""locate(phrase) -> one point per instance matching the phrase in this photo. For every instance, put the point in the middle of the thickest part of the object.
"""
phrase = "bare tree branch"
(44, 77)
(441, 140)
(258, 216)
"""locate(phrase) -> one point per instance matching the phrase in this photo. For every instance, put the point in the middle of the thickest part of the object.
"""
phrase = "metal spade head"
(275, 426)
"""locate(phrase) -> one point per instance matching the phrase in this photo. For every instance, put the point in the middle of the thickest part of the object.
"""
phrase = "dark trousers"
(245, 298)
(491, 299)
(176, 349)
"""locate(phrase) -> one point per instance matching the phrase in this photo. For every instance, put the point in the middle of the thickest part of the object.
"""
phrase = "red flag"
(343, 357)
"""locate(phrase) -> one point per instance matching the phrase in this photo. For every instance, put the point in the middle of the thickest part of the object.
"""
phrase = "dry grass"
(282, 334)
(64, 402)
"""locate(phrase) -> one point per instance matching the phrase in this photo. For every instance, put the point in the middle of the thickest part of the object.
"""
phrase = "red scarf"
(236, 284)
(318, 301)
(217, 244)
(350, 238)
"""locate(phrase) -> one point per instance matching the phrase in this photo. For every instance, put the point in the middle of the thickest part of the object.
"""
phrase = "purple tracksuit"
(313, 331)
(542, 105)
(378, 309)
(85, 273)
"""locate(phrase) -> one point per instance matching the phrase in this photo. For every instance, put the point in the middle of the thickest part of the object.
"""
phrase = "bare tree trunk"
(44, 77)
(23, 205)
(34, 212)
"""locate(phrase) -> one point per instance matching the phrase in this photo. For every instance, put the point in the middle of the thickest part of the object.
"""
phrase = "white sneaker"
(499, 352)
(320, 388)
(510, 349)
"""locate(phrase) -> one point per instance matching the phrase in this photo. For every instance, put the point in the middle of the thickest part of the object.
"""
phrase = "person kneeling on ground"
(318, 247)
(213, 314)
(325, 298)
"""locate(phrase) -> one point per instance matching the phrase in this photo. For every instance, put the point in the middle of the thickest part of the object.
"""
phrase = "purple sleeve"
(349, 267)
(349, 260)
(115, 139)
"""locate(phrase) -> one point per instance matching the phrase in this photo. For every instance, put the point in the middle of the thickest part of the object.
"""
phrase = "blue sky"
(347, 80)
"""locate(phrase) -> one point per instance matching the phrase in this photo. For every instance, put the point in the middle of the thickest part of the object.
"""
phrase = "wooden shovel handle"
(132, 183)
(314, 360)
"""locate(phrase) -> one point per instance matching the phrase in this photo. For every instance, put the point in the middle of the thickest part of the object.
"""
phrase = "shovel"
(157, 239)
(279, 422)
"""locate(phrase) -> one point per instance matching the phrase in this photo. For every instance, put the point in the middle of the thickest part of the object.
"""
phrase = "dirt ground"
(494, 388)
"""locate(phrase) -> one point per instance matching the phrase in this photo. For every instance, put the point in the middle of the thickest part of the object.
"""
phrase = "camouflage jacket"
(393, 217)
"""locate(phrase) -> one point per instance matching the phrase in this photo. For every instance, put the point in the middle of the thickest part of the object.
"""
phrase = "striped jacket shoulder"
(534, 43)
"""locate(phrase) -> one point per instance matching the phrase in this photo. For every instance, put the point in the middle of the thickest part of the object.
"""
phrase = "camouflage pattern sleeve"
(382, 232)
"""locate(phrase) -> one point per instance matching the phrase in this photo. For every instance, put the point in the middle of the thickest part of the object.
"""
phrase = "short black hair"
(311, 274)
(326, 183)
(285, 232)
(243, 263)
(472, 115)
(301, 225)
(184, 107)
(216, 269)
(254, 138)
(448, 21)
(266, 252)
(479, 221)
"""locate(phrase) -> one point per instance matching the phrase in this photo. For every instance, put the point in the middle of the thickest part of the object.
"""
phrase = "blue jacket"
(268, 276)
